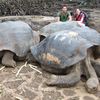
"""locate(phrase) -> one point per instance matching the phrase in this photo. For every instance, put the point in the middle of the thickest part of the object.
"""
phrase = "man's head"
(77, 11)
(64, 8)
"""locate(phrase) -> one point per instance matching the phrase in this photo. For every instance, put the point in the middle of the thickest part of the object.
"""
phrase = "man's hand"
(56, 19)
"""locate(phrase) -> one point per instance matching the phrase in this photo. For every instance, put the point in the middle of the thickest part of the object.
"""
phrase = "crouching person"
(81, 17)
(64, 15)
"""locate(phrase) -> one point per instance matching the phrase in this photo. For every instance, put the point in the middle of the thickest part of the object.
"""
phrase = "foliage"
(38, 7)
(23, 7)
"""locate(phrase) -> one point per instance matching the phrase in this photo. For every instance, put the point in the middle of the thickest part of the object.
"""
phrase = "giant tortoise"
(62, 53)
(74, 26)
(16, 37)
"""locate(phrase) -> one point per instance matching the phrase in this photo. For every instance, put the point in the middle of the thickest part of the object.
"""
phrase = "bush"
(24, 7)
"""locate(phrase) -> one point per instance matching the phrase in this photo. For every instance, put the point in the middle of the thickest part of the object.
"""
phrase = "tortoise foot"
(63, 81)
(8, 60)
(92, 85)
(10, 63)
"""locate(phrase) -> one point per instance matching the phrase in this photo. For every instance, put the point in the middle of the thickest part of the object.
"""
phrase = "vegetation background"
(40, 7)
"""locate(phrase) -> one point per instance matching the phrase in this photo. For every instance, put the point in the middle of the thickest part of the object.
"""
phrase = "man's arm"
(70, 17)
(57, 18)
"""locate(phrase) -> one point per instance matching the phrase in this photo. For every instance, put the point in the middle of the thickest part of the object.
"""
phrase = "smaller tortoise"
(16, 38)
(61, 54)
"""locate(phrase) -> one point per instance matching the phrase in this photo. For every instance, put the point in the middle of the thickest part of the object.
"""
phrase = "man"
(81, 17)
(64, 15)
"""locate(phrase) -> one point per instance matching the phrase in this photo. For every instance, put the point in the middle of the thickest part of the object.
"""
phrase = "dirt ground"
(29, 84)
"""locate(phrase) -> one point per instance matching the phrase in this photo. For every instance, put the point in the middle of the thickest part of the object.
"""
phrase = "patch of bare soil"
(29, 84)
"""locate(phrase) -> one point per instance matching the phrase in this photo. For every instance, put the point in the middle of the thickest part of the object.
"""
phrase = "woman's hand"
(80, 24)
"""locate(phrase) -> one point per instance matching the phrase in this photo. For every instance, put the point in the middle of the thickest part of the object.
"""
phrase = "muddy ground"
(29, 84)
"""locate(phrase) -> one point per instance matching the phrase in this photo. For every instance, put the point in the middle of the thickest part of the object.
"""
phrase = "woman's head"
(77, 11)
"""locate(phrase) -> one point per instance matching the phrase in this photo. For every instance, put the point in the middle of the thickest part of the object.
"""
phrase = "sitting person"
(64, 15)
(81, 17)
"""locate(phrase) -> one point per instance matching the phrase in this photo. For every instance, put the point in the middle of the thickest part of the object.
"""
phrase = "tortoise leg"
(96, 61)
(1, 54)
(8, 60)
(66, 80)
(96, 65)
(93, 82)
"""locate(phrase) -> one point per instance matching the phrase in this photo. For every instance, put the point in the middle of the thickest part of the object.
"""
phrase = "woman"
(80, 16)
